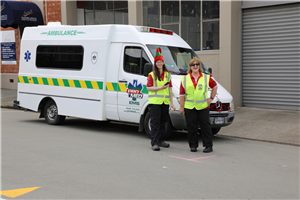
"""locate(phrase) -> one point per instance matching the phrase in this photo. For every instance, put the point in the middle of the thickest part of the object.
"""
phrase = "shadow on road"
(116, 128)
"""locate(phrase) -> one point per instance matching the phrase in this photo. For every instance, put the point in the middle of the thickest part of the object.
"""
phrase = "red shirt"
(212, 84)
(150, 80)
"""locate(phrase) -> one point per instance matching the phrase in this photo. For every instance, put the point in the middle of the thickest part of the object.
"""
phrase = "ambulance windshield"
(176, 58)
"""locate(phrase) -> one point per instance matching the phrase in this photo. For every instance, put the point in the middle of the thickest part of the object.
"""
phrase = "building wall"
(52, 10)
(211, 60)
(135, 10)
(229, 63)
(69, 12)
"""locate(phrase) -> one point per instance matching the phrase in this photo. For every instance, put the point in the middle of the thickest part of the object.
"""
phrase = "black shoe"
(164, 144)
(155, 148)
(193, 149)
(208, 149)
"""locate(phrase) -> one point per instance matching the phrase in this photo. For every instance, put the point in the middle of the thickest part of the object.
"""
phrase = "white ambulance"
(100, 72)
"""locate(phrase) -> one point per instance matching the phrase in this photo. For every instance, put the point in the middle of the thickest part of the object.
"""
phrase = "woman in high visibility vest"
(194, 104)
(160, 96)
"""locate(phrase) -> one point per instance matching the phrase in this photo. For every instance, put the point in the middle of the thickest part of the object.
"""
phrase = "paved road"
(94, 160)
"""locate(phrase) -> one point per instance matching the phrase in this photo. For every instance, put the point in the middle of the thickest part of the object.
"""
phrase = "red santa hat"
(158, 55)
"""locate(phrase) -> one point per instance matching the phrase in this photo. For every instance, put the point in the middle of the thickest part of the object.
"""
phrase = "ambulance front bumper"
(217, 119)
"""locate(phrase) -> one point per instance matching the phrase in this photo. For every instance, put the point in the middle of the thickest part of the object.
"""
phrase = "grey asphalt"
(278, 126)
(87, 159)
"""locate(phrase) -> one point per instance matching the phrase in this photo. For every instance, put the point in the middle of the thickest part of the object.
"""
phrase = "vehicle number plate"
(219, 120)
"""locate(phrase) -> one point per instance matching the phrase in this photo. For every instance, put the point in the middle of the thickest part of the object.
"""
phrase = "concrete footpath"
(279, 126)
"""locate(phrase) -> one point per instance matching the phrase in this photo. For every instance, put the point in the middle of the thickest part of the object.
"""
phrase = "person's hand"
(164, 87)
(209, 100)
(172, 106)
(181, 110)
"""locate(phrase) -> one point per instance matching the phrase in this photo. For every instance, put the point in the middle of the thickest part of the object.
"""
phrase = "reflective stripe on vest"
(198, 104)
(159, 96)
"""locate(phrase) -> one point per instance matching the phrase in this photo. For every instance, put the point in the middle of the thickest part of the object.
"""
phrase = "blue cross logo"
(27, 56)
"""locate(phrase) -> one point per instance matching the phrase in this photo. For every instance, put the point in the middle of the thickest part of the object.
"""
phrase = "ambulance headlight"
(232, 105)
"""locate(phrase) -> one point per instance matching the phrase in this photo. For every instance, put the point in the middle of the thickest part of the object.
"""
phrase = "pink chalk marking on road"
(205, 157)
(193, 159)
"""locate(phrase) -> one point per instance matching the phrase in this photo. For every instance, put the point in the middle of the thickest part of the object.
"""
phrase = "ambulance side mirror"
(210, 70)
(147, 69)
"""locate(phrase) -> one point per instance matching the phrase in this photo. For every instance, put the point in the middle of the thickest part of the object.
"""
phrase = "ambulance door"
(133, 93)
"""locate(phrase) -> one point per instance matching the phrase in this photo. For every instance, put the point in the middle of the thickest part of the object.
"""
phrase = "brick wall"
(52, 10)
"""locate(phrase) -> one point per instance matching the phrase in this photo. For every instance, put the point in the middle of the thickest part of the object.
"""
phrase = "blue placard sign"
(8, 48)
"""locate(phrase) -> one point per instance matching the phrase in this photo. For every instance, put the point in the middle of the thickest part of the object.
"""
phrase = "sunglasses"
(195, 64)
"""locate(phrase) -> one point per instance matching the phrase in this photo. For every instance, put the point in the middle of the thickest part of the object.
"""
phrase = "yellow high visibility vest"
(160, 96)
(195, 97)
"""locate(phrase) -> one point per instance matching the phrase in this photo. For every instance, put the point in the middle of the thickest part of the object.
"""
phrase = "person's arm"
(171, 99)
(157, 88)
(214, 86)
(181, 98)
(212, 95)
(181, 109)
(150, 85)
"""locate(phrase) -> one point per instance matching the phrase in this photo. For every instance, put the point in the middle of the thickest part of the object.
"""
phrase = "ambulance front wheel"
(169, 127)
(51, 114)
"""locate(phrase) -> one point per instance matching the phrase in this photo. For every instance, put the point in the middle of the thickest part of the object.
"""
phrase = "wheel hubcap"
(52, 112)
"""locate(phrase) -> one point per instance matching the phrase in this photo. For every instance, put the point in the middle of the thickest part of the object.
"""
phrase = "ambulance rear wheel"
(51, 114)
(147, 124)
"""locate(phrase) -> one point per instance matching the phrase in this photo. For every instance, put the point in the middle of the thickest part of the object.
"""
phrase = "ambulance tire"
(50, 113)
(169, 127)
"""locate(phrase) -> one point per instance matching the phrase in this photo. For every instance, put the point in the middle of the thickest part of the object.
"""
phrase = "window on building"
(151, 13)
(106, 12)
(210, 24)
(134, 60)
(59, 57)
(198, 27)
(191, 23)
(210, 35)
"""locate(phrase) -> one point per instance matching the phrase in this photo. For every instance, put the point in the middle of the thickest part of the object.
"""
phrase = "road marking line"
(17, 192)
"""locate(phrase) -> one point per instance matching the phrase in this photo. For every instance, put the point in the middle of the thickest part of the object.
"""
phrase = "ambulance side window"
(134, 60)
(59, 56)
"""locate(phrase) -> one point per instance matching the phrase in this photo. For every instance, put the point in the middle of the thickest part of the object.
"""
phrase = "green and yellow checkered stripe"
(97, 85)
(61, 82)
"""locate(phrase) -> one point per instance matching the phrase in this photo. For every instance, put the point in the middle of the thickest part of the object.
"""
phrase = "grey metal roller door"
(271, 57)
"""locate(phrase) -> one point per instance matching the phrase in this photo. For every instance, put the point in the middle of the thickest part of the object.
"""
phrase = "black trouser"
(193, 117)
(159, 116)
